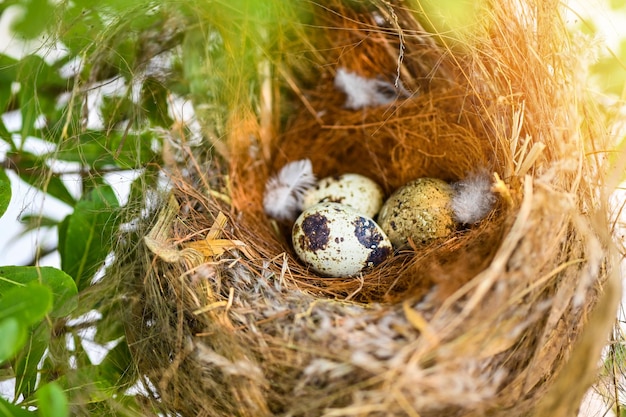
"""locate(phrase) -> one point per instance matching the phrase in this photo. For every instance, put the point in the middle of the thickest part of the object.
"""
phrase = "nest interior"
(479, 324)
(442, 128)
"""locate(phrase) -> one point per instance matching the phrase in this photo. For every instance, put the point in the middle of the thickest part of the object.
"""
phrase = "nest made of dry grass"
(482, 323)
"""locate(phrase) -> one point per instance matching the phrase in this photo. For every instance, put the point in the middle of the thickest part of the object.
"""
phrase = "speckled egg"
(336, 240)
(354, 190)
(420, 210)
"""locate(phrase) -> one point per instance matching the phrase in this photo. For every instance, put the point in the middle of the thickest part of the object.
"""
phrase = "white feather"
(473, 198)
(285, 190)
(363, 92)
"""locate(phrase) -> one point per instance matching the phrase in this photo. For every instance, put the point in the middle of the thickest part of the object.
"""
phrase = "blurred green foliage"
(43, 310)
(455, 22)
(5, 191)
(151, 50)
(610, 71)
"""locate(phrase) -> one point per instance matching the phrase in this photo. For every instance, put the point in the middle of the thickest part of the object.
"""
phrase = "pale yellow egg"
(354, 190)
(420, 211)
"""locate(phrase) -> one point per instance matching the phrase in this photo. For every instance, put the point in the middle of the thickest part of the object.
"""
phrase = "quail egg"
(336, 240)
(354, 190)
(420, 210)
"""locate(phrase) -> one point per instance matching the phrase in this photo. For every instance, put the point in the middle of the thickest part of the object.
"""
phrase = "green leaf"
(27, 361)
(80, 26)
(40, 84)
(115, 110)
(34, 171)
(37, 17)
(154, 99)
(9, 410)
(93, 388)
(28, 304)
(5, 192)
(62, 232)
(52, 401)
(5, 135)
(62, 285)
(88, 239)
(121, 6)
(125, 56)
(105, 150)
(110, 327)
(117, 369)
(13, 338)
(8, 74)
(36, 222)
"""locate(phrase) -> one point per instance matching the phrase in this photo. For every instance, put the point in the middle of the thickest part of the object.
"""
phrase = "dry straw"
(505, 318)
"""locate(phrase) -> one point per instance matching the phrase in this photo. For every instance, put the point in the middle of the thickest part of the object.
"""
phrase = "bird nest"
(226, 321)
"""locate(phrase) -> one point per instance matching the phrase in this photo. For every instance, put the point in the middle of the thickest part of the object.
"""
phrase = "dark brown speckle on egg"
(366, 233)
(316, 232)
(371, 237)
(378, 255)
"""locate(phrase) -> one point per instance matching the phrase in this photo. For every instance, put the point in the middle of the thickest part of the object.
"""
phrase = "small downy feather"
(473, 198)
(365, 92)
(285, 190)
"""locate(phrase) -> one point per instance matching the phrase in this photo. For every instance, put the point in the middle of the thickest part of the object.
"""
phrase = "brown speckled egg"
(336, 240)
(354, 190)
(420, 210)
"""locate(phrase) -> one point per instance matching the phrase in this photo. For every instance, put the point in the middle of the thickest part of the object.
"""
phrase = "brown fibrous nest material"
(227, 322)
